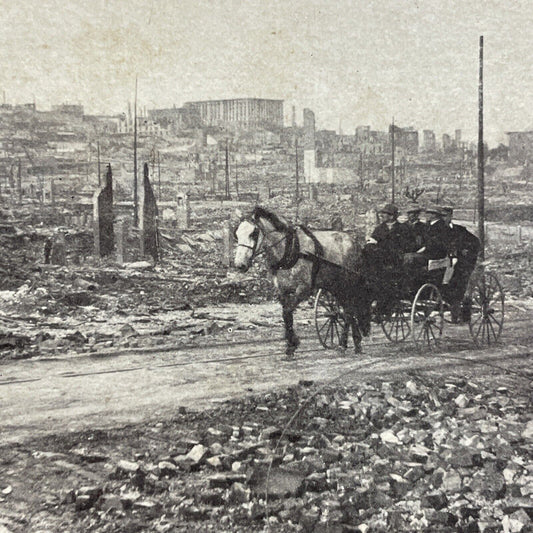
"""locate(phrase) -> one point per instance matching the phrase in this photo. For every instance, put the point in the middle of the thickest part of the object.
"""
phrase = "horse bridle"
(259, 229)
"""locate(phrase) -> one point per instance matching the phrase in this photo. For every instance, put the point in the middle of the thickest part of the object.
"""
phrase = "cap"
(446, 209)
(413, 208)
(437, 209)
(390, 209)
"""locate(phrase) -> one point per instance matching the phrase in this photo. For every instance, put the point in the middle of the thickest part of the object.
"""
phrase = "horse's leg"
(343, 341)
(353, 322)
(356, 335)
(290, 337)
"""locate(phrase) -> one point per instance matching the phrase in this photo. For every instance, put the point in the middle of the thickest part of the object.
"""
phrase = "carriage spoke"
(494, 319)
(477, 320)
(324, 325)
(493, 331)
(479, 328)
(432, 334)
(336, 325)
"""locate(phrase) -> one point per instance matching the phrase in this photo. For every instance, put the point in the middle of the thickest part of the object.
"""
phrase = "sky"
(353, 62)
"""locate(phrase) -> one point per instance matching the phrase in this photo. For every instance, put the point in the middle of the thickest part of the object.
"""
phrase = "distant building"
(176, 118)
(309, 130)
(458, 138)
(520, 147)
(406, 140)
(244, 112)
(68, 109)
(145, 126)
(371, 142)
(429, 141)
(447, 143)
(362, 134)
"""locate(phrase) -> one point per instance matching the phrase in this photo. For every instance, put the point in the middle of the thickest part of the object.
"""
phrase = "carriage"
(419, 313)
(306, 263)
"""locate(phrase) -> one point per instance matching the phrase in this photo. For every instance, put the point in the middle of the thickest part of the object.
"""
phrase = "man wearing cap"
(417, 227)
(390, 236)
(383, 255)
(435, 246)
(464, 247)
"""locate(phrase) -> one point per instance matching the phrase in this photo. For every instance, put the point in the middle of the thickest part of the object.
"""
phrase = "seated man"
(383, 252)
(433, 254)
(417, 227)
(390, 237)
(463, 246)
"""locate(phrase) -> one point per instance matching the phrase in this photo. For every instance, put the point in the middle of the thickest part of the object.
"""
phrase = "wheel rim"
(329, 320)
(427, 317)
(397, 326)
(488, 309)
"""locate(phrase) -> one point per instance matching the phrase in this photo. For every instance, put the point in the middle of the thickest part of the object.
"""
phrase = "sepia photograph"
(266, 266)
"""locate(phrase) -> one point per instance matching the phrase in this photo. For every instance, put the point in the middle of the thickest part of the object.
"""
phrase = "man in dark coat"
(391, 238)
(433, 251)
(464, 247)
(437, 235)
(417, 227)
(383, 256)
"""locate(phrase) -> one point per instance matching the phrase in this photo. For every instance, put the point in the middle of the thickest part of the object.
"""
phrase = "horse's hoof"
(357, 349)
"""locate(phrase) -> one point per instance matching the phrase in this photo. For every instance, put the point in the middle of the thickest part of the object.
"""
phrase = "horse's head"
(249, 239)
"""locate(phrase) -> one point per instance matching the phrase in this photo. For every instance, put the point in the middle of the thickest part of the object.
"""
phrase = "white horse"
(302, 261)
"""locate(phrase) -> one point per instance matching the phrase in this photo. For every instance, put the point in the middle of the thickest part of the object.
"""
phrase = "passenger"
(463, 247)
(391, 238)
(417, 227)
(437, 235)
(383, 257)
(415, 261)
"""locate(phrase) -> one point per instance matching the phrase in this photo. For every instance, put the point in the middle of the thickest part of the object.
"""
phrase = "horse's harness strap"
(291, 254)
(314, 256)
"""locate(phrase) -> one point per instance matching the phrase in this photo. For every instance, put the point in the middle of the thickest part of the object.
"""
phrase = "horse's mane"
(279, 223)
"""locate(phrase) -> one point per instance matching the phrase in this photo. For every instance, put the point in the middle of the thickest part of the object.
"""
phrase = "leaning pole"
(480, 161)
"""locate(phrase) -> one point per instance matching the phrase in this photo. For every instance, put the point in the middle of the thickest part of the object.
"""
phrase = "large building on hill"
(520, 147)
(244, 112)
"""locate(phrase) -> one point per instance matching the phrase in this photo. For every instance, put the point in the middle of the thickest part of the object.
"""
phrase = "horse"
(301, 261)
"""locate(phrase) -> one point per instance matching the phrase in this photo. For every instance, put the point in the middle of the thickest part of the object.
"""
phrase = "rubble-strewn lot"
(417, 454)
(420, 453)
(87, 307)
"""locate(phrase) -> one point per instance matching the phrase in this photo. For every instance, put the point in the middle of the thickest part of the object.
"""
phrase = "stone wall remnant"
(104, 239)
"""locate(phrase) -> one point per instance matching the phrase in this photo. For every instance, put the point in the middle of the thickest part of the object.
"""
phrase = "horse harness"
(292, 252)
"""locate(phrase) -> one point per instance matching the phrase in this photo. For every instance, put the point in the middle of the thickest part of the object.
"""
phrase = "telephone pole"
(480, 161)
(135, 195)
(392, 162)
(98, 151)
(227, 171)
(297, 170)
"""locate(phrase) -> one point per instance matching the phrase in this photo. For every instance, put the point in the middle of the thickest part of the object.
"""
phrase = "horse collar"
(291, 253)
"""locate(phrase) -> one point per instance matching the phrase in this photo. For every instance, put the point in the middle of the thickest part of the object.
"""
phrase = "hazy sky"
(364, 61)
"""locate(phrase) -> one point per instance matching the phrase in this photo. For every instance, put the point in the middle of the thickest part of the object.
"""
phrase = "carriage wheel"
(487, 299)
(427, 317)
(396, 326)
(329, 319)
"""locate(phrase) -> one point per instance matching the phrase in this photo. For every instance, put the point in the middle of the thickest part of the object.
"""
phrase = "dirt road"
(73, 392)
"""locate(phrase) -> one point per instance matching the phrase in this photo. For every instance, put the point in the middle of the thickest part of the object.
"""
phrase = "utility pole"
(392, 162)
(227, 171)
(159, 174)
(297, 170)
(98, 152)
(135, 194)
(480, 161)
(19, 182)
(236, 179)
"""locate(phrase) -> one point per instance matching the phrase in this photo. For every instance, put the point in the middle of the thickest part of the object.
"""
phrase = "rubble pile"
(441, 455)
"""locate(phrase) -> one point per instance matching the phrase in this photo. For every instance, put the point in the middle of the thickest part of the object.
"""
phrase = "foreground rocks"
(413, 455)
